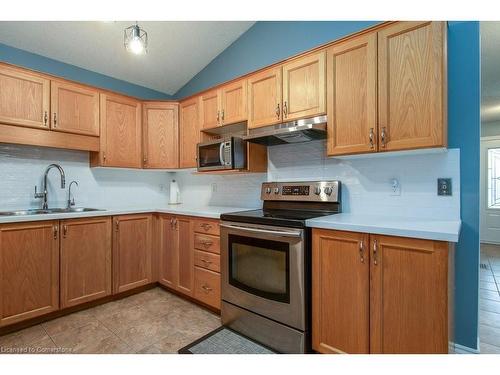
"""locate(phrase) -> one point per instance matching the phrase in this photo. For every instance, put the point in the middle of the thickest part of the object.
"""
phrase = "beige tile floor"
(154, 321)
(489, 300)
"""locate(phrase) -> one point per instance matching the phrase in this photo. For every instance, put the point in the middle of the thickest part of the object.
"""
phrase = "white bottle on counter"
(175, 194)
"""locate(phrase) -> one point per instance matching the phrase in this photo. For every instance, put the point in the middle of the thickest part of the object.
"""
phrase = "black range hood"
(298, 131)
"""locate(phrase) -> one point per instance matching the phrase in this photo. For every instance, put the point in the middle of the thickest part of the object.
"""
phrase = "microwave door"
(211, 157)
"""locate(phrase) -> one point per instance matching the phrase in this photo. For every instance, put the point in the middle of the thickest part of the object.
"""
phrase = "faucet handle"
(38, 195)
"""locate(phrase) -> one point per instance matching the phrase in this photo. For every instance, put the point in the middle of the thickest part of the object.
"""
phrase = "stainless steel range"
(266, 264)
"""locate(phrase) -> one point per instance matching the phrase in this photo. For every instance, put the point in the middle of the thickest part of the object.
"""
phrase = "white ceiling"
(177, 50)
(490, 71)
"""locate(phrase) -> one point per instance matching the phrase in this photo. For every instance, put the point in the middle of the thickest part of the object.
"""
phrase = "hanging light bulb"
(136, 39)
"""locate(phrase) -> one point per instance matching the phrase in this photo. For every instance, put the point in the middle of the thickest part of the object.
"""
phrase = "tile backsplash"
(365, 181)
(22, 167)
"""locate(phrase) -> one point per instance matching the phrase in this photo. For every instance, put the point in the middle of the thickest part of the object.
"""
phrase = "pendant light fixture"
(136, 39)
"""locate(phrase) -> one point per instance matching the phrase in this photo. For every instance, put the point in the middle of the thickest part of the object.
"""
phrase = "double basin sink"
(48, 211)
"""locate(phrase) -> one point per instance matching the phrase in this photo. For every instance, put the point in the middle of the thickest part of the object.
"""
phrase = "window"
(494, 178)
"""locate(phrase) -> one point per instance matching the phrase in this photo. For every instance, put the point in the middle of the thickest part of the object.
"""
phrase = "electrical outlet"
(444, 186)
(395, 187)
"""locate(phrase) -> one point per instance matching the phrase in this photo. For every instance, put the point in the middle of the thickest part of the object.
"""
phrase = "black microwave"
(221, 154)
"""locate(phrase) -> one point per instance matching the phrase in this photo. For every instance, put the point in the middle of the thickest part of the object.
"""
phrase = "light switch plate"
(444, 186)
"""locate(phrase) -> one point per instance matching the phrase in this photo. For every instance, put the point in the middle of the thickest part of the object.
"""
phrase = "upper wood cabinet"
(210, 109)
(409, 295)
(160, 135)
(304, 87)
(352, 96)
(227, 105)
(189, 132)
(74, 108)
(85, 260)
(120, 133)
(24, 98)
(341, 292)
(132, 251)
(233, 102)
(29, 270)
(264, 98)
(412, 91)
(379, 294)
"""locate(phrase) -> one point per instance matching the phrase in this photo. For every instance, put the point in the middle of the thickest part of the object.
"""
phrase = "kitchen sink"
(48, 211)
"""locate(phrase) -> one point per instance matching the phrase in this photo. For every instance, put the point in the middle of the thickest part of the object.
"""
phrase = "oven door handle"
(265, 231)
(221, 153)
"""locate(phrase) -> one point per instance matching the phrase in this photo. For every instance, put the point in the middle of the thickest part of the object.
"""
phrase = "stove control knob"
(276, 190)
(317, 190)
(328, 190)
(268, 190)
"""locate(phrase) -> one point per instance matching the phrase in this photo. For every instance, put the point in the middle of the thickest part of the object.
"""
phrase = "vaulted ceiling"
(177, 50)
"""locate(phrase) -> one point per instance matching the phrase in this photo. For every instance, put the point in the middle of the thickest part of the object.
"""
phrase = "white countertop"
(180, 209)
(440, 230)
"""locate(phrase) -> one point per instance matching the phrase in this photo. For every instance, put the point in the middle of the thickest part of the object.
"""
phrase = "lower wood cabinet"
(207, 286)
(176, 254)
(132, 251)
(85, 260)
(29, 270)
(379, 294)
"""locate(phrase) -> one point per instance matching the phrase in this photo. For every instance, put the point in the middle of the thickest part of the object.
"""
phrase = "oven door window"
(210, 155)
(260, 267)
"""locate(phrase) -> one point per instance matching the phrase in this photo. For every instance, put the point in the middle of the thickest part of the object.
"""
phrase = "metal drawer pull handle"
(375, 255)
(256, 230)
(206, 226)
(383, 136)
(206, 261)
(206, 243)
(361, 249)
(206, 288)
(55, 229)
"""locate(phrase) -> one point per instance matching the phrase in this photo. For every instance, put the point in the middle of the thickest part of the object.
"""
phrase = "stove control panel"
(311, 191)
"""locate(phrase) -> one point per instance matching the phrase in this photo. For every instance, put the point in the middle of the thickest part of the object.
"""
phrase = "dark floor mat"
(225, 341)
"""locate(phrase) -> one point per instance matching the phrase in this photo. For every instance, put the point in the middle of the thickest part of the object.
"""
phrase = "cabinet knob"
(383, 137)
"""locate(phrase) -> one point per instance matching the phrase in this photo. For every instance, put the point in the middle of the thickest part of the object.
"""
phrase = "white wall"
(21, 167)
(365, 181)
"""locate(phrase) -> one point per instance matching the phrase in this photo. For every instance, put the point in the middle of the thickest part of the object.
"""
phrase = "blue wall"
(46, 65)
(266, 43)
(464, 132)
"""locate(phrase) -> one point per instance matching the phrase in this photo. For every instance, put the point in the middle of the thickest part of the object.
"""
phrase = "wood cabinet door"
(189, 133)
(409, 304)
(340, 292)
(234, 102)
(210, 114)
(132, 252)
(160, 135)
(121, 132)
(264, 98)
(412, 86)
(352, 96)
(24, 98)
(169, 257)
(29, 270)
(304, 87)
(185, 255)
(74, 108)
(85, 260)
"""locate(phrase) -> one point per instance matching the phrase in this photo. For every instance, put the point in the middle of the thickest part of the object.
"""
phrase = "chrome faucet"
(71, 200)
(44, 195)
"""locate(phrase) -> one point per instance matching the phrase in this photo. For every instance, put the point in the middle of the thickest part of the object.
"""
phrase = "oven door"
(263, 271)
(212, 156)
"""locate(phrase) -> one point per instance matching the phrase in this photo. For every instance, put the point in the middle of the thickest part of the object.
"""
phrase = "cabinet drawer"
(206, 226)
(207, 287)
(207, 260)
(207, 243)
